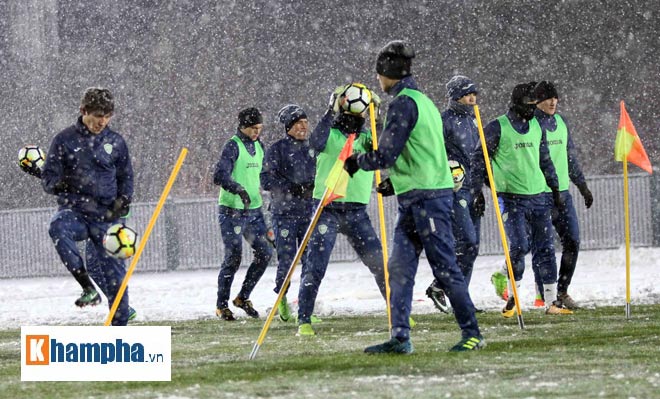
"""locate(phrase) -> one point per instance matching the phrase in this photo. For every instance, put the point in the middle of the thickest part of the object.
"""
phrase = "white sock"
(549, 294)
(511, 289)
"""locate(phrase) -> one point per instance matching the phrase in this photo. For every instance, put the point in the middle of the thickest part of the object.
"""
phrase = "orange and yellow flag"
(337, 180)
(628, 146)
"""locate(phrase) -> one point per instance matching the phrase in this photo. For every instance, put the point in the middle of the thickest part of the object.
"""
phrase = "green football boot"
(305, 329)
(469, 344)
(392, 346)
(132, 314)
(89, 297)
(283, 310)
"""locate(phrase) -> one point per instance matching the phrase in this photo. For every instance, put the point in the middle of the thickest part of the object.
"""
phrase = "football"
(457, 173)
(31, 155)
(356, 98)
(120, 241)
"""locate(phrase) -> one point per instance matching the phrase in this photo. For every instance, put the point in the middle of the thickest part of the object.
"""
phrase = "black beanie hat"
(523, 94)
(395, 60)
(523, 102)
(545, 90)
(290, 114)
(249, 117)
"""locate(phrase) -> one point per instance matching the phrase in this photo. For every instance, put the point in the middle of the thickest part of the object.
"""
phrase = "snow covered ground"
(348, 288)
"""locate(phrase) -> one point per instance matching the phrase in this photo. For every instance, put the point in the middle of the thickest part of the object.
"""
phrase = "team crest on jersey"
(311, 153)
(237, 229)
(108, 148)
(474, 120)
(505, 216)
(284, 233)
(323, 228)
(463, 203)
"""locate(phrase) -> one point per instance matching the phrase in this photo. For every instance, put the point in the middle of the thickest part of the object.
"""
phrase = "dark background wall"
(182, 70)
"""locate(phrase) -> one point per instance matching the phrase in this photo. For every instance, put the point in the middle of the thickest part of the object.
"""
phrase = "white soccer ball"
(457, 173)
(355, 99)
(32, 155)
(120, 241)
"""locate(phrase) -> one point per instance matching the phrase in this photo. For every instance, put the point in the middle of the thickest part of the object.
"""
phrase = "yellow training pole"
(289, 274)
(500, 223)
(381, 215)
(147, 233)
(626, 218)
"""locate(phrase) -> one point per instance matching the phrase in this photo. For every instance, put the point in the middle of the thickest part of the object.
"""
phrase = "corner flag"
(628, 146)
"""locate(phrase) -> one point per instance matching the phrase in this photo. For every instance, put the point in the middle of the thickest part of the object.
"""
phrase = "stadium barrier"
(187, 234)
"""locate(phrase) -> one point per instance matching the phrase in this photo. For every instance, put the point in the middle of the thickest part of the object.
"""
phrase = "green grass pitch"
(595, 353)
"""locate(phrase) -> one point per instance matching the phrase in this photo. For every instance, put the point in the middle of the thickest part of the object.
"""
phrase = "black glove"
(385, 188)
(586, 193)
(351, 165)
(302, 190)
(119, 209)
(32, 169)
(61, 187)
(308, 190)
(296, 189)
(557, 199)
(479, 204)
(67, 185)
(245, 197)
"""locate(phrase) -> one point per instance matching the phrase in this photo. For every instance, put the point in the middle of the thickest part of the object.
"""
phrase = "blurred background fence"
(187, 235)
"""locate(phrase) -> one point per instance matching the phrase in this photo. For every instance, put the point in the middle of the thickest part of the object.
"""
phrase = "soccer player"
(239, 212)
(522, 170)
(461, 142)
(288, 174)
(88, 168)
(564, 157)
(347, 215)
(412, 148)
